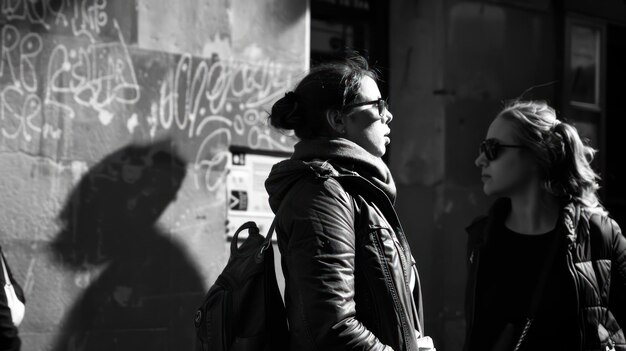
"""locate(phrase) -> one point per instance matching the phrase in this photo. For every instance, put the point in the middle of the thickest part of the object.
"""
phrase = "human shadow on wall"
(148, 289)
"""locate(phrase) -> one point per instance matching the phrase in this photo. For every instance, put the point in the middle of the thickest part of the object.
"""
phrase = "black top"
(508, 272)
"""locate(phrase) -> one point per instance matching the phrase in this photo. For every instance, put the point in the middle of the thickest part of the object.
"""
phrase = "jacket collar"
(482, 228)
(347, 155)
(326, 157)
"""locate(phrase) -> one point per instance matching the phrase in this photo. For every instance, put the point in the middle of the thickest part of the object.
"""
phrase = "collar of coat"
(345, 154)
(573, 221)
(326, 157)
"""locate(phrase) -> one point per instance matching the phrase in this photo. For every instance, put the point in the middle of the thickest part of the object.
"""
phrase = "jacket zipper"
(396, 299)
(397, 220)
(404, 262)
(474, 260)
(572, 270)
(403, 258)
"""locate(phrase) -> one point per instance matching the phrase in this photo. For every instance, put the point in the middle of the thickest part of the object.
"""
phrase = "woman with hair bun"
(349, 274)
(547, 265)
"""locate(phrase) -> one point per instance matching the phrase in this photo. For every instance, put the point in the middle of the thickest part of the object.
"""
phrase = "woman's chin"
(381, 152)
(488, 190)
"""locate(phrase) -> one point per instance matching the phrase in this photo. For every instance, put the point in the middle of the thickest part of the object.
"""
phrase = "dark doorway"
(615, 173)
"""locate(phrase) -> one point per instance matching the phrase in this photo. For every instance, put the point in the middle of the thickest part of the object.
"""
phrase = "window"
(584, 66)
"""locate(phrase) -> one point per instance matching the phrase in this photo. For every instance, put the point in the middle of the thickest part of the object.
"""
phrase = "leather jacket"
(346, 262)
(595, 255)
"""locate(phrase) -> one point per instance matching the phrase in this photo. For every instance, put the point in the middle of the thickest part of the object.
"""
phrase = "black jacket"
(346, 261)
(596, 259)
(9, 339)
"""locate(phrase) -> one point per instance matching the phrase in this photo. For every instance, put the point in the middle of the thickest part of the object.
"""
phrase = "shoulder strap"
(268, 238)
(7, 280)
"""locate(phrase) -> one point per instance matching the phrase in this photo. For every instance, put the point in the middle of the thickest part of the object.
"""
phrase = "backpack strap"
(268, 239)
(542, 281)
(250, 226)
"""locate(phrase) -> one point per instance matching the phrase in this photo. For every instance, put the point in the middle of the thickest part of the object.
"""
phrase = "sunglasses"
(491, 148)
(381, 104)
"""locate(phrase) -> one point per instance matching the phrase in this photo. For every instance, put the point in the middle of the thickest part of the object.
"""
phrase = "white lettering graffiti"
(211, 102)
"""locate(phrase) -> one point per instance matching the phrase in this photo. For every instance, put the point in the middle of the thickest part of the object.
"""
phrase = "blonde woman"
(547, 265)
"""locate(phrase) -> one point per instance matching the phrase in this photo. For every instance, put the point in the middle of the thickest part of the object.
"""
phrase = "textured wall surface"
(418, 137)
(115, 121)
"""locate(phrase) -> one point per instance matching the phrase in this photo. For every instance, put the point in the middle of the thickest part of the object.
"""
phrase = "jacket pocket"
(210, 331)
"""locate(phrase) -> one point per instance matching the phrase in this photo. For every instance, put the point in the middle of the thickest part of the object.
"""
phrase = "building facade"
(123, 122)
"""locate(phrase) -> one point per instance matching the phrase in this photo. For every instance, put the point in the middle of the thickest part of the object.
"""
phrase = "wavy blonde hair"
(562, 156)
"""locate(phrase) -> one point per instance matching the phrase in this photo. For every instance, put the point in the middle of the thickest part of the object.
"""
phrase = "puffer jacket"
(596, 259)
(345, 259)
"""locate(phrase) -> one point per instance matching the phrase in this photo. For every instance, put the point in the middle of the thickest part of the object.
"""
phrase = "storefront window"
(585, 66)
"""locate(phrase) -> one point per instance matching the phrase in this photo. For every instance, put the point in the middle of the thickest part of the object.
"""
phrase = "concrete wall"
(418, 130)
(453, 63)
(115, 121)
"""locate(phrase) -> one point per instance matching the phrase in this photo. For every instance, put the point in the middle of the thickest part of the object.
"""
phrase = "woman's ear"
(335, 120)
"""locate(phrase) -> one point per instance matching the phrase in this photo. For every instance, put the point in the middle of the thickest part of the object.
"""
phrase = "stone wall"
(116, 118)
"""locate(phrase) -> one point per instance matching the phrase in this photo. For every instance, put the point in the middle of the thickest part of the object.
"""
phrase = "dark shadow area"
(148, 289)
(614, 191)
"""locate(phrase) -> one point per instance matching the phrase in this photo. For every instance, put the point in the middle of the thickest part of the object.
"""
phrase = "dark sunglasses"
(381, 103)
(491, 148)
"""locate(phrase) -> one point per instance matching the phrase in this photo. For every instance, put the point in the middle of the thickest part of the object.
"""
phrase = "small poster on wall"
(245, 185)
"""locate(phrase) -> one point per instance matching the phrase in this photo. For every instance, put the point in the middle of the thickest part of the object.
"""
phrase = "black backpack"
(243, 310)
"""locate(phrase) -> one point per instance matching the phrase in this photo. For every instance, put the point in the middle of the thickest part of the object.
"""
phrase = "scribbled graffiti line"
(211, 172)
(86, 18)
(97, 77)
(207, 95)
(210, 100)
(225, 88)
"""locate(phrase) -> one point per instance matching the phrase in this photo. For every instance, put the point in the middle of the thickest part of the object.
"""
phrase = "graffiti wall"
(116, 119)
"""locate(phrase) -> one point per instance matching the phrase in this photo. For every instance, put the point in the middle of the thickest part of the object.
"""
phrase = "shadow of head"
(113, 209)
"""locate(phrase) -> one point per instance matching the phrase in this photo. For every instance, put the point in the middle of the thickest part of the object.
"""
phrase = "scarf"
(346, 154)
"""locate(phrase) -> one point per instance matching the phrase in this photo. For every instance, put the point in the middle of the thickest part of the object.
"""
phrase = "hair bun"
(291, 96)
(285, 112)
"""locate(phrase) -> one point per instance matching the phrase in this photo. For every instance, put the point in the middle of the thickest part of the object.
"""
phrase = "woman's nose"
(481, 160)
(388, 116)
